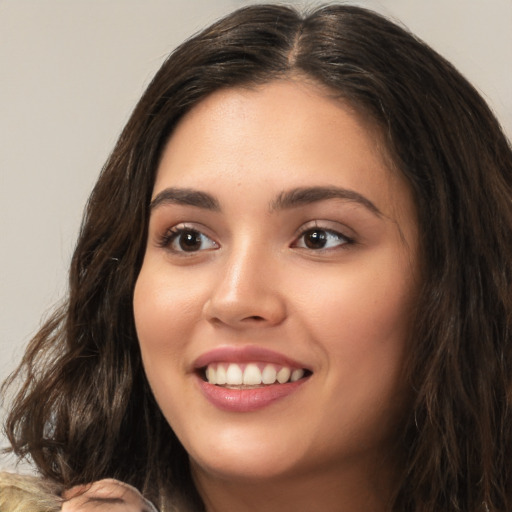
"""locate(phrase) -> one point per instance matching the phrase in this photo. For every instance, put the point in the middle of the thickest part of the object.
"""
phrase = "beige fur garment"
(25, 493)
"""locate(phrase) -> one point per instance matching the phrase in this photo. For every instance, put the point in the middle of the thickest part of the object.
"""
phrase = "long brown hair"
(85, 410)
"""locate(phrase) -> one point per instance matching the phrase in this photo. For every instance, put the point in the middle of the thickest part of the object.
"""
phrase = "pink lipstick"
(244, 379)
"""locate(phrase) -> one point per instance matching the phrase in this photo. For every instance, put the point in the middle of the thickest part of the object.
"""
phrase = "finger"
(105, 495)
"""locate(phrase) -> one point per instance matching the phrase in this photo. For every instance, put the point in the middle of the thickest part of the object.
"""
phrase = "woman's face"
(274, 300)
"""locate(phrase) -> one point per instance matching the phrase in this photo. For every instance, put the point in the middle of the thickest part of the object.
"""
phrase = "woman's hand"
(105, 496)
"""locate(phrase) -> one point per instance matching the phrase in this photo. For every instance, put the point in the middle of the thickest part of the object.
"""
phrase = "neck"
(350, 491)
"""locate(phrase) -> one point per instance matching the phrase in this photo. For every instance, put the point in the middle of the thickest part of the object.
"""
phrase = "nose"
(246, 293)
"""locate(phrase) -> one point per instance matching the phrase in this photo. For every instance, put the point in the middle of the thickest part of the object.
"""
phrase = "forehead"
(286, 133)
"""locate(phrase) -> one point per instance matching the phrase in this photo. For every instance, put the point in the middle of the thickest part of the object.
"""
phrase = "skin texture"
(343, 312)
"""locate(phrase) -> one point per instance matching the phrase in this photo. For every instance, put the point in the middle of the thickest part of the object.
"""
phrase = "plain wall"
(72, 70)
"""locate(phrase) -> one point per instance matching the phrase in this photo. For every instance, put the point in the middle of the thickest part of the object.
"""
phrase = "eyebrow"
(285, 200)
(185, 196)
(307, 195)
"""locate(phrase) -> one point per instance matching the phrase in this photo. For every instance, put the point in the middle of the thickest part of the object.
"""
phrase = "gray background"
(72, 70)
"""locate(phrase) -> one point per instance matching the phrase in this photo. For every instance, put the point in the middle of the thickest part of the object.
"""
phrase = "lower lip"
(247, 400)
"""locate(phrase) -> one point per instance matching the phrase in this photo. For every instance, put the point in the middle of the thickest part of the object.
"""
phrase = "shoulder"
(26, 493)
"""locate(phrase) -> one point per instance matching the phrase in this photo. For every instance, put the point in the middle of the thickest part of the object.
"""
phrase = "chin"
(250, 456)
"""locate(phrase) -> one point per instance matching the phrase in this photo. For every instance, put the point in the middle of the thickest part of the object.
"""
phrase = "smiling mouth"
(250, 375)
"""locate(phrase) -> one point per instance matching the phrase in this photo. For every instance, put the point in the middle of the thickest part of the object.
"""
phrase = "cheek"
(164, 311)
(365, 307)
(361, 323)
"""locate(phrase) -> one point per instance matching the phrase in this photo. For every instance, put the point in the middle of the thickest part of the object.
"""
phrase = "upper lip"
(246, 354)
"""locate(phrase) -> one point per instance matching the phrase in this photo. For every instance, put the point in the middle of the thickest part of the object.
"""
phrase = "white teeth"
(221, 375)
(252, 375)
(269, 374)
(283, 375)
(296, 375)
(232, 374)
(211, 375)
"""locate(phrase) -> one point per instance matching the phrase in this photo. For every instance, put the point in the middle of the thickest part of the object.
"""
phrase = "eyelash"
(173, 235)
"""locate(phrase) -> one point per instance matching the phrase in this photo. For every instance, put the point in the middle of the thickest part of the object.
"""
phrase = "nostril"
(244, 311)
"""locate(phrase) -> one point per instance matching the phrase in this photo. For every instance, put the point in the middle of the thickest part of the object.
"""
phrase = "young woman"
(292, 286)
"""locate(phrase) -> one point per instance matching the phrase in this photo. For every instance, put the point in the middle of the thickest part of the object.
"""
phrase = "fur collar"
(26, 493)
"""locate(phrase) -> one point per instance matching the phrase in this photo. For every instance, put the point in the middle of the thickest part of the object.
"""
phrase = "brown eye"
(318, 239)
(315, 239)
(188, 240)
